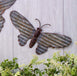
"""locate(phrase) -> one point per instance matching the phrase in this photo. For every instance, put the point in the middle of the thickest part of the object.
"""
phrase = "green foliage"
(58, 65)
(61, 65)
(6, 72)
(7, 67)
(9, 64)
(29, 70)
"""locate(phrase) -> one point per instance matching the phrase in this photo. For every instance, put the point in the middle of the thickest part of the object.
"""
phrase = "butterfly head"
(39, 29)
(41, 26)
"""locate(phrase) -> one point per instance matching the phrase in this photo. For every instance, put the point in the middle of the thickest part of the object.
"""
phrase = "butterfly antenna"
(39, 22)
(45, 25)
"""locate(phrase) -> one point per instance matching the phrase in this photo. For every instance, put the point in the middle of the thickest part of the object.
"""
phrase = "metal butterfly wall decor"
(44, 40)
(4, 4)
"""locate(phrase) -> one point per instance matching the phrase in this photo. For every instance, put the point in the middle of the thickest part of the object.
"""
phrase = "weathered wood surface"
(61, 14)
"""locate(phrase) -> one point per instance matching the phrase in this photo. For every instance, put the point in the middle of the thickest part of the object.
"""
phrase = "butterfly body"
(34, 39)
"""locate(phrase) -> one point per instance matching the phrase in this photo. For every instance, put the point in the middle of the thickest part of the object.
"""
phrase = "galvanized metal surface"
(45, 40)
(24, 26)
(4, 4)
(53, 40)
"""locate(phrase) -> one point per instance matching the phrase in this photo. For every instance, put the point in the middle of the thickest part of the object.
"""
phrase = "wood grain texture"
(61, 14)
(70, 23)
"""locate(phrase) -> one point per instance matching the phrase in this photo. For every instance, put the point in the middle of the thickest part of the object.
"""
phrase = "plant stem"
(52, 74)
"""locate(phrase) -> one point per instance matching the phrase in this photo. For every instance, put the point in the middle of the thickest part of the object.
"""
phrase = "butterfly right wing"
(54, 40)
(24, 26)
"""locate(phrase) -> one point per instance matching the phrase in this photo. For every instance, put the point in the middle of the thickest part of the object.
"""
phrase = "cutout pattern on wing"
(4, 4)
(53, 40)
(24, 26)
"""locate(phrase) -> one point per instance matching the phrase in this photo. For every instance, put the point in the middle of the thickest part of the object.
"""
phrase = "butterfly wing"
(53, 40)
(4, 4)
(24, 26)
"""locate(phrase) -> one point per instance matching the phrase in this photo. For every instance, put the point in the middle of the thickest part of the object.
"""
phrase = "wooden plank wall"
(61, 14)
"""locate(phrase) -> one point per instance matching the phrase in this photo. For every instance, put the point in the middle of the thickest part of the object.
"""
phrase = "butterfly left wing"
(25, 28)
(4, 4)
(53, 40)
